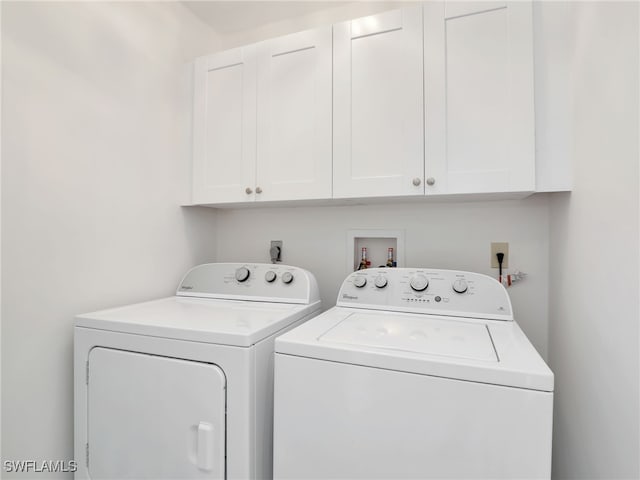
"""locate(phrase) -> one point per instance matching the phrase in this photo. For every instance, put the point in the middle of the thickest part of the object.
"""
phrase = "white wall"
(593, 347)
(439, 235)
(95, 128)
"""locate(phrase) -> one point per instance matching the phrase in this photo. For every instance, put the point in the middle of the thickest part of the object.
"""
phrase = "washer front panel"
(335, 420)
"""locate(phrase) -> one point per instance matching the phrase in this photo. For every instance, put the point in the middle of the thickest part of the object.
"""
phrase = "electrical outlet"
(276, 244)
(497, 247)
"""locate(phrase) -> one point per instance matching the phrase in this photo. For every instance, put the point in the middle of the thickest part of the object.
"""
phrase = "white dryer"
(416, 373)
(182, 387)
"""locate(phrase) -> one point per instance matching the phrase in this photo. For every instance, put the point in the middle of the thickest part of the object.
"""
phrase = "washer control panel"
(250, 281)
(429, 291)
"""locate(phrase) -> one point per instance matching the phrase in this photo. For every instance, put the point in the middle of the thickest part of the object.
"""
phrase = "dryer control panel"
(429, 291)
(262, 282)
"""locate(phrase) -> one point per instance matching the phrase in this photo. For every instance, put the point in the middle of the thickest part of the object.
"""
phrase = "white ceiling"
(235, 16)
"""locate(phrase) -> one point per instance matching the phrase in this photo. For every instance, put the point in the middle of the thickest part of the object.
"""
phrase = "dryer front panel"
(154, 417)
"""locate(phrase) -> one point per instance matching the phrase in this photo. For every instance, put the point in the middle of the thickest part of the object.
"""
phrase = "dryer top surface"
(227, 322)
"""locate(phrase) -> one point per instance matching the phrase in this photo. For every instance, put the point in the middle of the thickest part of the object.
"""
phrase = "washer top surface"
(218, 307)
(399, 327)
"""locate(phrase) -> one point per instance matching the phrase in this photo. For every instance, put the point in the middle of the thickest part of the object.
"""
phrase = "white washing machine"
(182, 387)
(416, 373)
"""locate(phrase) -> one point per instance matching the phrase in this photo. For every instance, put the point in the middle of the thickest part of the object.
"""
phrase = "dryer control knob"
(419, 283)
(287, 277)
(242, 274)
(270, 276)
(360, 281)
(380, 281)
(460, 285)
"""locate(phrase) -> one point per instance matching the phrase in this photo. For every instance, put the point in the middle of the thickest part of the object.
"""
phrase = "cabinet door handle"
(258, 190)
(431, 181)
(248, 191)
(417, 181)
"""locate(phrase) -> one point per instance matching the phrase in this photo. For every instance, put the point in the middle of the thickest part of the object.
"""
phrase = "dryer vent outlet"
(275, 251)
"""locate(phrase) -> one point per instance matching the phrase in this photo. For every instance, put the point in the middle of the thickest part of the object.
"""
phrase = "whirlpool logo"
(186, 287)
(346, 296)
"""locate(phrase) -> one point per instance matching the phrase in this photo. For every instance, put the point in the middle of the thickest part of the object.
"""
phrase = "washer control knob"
(242, 274)
(360, 281)
(270, 276)
(287, 277)
(460, 285)
(380, 281)
(419, 283)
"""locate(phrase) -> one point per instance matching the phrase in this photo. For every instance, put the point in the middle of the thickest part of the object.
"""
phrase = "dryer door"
(154, 417)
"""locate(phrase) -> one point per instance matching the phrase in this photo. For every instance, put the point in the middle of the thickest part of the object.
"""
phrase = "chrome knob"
(287, 277)
(258, 190)
(248, 191)
(431, 181)
(242, 274)
(360, 281)
(417, 181)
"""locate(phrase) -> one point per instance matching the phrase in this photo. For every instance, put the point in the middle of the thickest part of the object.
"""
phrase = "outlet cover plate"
(497, 247)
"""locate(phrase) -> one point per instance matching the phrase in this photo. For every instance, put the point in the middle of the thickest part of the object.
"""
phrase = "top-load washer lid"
(234, 310)
(435, 336)
(444, 323)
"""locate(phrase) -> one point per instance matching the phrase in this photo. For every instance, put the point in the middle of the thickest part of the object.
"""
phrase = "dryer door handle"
(204, 455)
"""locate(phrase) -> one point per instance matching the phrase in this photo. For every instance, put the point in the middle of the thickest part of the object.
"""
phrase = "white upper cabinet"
(262, 121)
(433, 99)
(479, 117)
(294, 117)
(224, 135)
(378, 135)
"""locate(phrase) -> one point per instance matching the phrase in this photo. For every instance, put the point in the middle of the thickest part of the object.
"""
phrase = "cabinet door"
(479, 119)
(294, 117)
(378, 105)
(224, 126)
